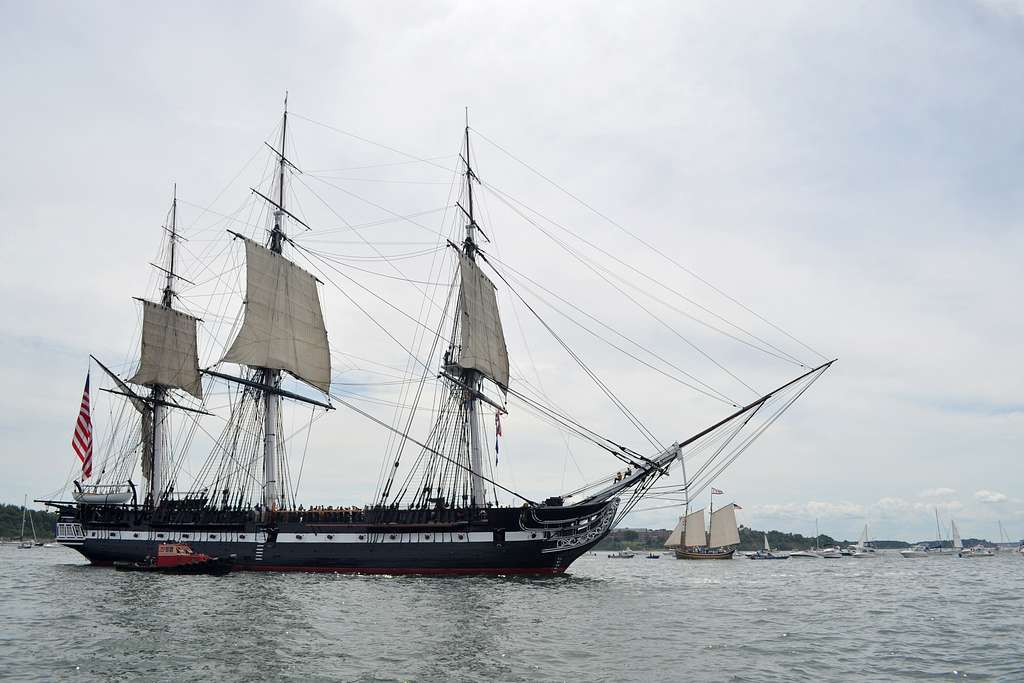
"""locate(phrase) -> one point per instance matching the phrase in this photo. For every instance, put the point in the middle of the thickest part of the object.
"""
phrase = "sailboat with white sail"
(977, 550)
(445, 511)
(766, 553)
(932, 550)
(863, 549)
(22, 543)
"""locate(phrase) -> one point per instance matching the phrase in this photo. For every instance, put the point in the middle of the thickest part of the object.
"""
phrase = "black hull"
(214, 567)
(534, 540)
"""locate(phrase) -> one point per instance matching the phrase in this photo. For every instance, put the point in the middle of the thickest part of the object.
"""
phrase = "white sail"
(283, 328)
(694, 525)
(169, 356)
(767, 548)
(956, 535)
(863, 537)
(723, 527)
(482, 338)
(675, 538)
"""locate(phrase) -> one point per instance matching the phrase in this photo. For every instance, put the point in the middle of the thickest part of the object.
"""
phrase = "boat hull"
(502, 541)
(694, 555)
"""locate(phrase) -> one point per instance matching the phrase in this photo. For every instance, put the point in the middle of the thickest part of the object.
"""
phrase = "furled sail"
(675, 538)
(283, 327)
(169, 356)
(147, 421)
(483, 340)
(723, 527)
(695, 529)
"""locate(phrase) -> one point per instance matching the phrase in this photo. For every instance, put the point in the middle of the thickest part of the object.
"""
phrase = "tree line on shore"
(10, 522)
(752, 539)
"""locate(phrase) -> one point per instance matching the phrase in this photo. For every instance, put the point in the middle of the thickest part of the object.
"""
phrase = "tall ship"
(439, 506)
(690, 541)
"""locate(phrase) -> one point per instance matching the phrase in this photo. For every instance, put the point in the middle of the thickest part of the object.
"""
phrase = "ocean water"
(606, 620)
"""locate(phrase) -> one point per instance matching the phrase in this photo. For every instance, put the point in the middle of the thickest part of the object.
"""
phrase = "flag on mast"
(81, 442)
(497, 433)
(716, 492)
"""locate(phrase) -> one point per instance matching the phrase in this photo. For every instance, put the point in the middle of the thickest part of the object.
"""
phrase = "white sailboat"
(22, 543)
(766, 553)
(862, 549)
(924, 550)
(974, 551)
(809, 554)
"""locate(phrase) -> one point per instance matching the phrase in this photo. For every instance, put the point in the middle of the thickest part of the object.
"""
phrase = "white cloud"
(893, 505)
(809, 509)
(986, 496)
(937, 493)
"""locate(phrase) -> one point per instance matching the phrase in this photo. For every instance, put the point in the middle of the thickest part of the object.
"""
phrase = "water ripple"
(609, 620)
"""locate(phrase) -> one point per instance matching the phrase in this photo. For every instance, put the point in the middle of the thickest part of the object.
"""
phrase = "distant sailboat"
(23, 544)
(862, 549)
(809, 554)
(974, 551)
(766, 553)
(924, 550)
(691, 542)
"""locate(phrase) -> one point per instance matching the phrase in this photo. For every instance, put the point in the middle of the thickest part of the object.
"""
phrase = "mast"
(938, 531)
(471, 377)
(271, 376)
(24, 511)
(711, 522)
(158, 394)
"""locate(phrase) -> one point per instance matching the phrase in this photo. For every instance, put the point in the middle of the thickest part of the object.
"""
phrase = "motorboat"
(179, 558)
(924, 550)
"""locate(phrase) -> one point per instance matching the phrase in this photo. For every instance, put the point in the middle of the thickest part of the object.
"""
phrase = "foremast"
(168, 360)
(159, 475)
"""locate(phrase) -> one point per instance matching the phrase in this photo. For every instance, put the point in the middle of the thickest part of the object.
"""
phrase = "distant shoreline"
(753, 539)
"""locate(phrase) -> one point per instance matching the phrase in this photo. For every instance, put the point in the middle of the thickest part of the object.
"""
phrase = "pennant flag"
(81, 442)
(716, 492)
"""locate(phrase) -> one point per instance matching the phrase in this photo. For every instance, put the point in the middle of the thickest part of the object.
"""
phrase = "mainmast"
(272, 376)
(471, 377)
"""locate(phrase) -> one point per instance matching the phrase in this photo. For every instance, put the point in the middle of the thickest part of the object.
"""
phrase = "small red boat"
(179, 558)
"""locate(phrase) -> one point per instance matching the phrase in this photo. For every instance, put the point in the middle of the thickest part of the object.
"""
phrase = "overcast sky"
(849, 171)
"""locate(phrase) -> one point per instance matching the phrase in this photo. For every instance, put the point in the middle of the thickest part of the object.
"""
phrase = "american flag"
(82, 440)
(716, 492)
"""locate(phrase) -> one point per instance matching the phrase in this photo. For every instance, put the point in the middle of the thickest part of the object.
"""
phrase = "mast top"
(469, 245)
(277, 235)
(167, 298)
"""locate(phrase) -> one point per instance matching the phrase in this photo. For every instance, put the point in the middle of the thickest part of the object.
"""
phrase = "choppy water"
(608, 620)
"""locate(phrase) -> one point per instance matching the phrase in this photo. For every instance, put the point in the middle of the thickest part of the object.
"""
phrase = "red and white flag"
(82, 440)
(716, 492)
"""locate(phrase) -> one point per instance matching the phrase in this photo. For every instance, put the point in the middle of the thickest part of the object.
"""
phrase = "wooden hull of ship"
(682, 554)
(535, 540)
